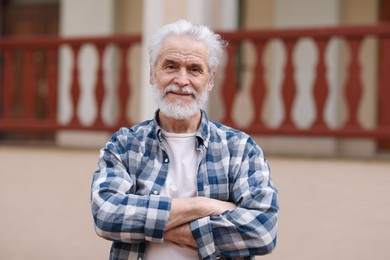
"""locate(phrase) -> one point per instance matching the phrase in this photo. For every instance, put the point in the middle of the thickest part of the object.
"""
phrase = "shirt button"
(155, 192)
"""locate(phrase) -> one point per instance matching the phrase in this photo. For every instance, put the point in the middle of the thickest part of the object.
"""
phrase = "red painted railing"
(25, 106)
(18, 64)
(353, 36)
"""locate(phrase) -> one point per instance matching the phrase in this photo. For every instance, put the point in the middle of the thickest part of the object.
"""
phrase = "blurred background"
(308, 79)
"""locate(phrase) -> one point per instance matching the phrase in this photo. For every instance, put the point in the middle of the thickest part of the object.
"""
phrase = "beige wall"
(258, 14)
(174, 10)
(359, 11)
(128, 16)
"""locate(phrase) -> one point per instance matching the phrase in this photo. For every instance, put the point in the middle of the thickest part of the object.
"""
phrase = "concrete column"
(152, 19)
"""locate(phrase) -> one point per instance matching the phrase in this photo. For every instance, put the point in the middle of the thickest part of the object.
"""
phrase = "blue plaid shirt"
(133, 166)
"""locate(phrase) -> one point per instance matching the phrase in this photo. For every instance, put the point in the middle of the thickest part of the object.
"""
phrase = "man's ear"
(210, 85)
(151, 77)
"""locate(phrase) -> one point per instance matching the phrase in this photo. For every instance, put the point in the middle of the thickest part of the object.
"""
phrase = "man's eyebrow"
(197, 64)
(168, 61)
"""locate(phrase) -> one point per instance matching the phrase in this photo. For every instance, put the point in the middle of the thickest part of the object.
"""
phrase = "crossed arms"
(123, 211)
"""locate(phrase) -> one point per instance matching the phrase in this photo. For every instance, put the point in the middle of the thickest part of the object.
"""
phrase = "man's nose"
(181, 78)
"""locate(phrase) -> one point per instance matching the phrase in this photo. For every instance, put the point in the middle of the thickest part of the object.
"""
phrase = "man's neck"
(188, 125)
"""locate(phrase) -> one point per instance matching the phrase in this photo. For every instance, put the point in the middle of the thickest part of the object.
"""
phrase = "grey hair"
(213, 41)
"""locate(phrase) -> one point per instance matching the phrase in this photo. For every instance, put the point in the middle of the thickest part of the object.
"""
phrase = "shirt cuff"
(156, 218)
(203, 235)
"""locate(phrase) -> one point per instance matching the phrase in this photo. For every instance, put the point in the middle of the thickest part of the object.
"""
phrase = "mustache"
(177, 89)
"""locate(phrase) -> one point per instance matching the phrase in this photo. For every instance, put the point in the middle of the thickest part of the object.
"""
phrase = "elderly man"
(180, 186)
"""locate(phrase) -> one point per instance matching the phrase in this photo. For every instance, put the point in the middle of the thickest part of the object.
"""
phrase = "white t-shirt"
(180, 182)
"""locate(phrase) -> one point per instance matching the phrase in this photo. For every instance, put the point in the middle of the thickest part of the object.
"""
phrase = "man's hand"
(181, 235)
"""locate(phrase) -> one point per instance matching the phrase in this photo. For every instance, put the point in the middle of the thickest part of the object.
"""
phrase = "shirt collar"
(202, 135)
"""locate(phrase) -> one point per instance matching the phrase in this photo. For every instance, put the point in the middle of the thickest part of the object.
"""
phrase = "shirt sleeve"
(250, 229)
(119, 213)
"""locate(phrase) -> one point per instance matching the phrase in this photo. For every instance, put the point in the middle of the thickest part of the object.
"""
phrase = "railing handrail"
(382, 29)
(7, 42)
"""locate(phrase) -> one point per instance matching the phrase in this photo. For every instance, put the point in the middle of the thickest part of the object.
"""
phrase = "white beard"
(177, 110)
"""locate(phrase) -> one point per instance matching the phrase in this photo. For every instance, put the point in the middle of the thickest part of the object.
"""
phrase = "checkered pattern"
(133, 166)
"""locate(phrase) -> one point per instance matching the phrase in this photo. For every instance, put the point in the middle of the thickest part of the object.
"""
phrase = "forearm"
(185, 210)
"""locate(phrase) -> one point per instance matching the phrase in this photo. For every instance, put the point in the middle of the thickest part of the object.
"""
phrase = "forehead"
(183, 48)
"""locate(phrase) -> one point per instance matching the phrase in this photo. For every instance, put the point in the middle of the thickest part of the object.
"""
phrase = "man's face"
(182, 79)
